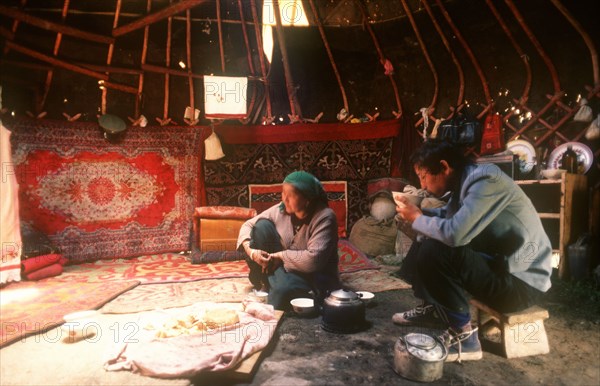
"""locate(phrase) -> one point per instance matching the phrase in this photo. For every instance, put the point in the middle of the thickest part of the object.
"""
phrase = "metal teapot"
(343, 312)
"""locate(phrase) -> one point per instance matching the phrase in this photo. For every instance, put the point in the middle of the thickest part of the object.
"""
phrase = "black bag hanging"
(462, 129)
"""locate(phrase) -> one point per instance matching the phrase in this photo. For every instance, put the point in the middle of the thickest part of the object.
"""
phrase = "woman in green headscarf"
(292, 247)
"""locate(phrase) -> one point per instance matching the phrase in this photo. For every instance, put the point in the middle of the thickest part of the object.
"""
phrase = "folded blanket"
(43, 273)
(35, 263)
(187, 355)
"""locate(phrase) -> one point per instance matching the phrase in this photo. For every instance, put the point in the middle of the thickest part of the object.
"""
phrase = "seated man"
(292, 246)
(487, 241)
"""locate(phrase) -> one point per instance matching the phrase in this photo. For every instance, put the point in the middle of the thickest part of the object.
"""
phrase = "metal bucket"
(419, 357)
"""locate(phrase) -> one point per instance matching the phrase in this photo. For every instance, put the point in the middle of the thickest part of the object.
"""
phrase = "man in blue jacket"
(487, 242)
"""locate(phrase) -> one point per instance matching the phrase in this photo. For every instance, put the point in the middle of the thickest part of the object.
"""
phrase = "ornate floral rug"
(28, 308)
(171, 295)
(174, 267)
(98, 200)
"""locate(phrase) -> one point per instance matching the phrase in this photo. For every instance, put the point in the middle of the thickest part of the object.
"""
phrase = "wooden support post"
(50, 73)
(517, 47)
(330, 55)
(382, 58)
(296, 112)
(188, 46)
(111, 48)
(261, 57)
(220, 31)
(434, 73)
(459, 69)
(165, 119)
(467, 48)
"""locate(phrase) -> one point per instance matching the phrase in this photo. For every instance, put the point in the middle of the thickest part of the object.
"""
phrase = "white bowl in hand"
(412, 198)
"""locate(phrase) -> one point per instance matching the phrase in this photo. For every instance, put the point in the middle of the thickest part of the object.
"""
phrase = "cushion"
(262, 197)
(225, 212)
(216, 228)
(35, 242)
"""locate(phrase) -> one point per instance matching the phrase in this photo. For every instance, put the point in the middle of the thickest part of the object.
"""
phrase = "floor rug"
(372, 281)
(169, 295)
(174, 267)
(28, 308)
(99, 200)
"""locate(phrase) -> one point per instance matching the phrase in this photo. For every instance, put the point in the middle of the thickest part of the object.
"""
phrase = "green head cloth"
(308, 185)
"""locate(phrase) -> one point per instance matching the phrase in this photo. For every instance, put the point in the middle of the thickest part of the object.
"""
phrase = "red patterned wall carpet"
(101, 200)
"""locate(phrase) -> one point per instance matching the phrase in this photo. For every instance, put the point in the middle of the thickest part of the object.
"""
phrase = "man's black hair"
(430, 154)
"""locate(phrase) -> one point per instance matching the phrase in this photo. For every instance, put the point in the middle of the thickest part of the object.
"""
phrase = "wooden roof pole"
(143, 61)
(527, 87)
(246, 39)
(56, 62)
(536, 44)
(68, 66)
(522, 54)
(382, 58)
(586, 38)
(50, 73)
(165, 119)
(436, 87)
(111, 48)
(296, 112)
(554, 99)
(164, 13)
(10, 34)
(51, 26)
(330, 55)
(188, 45)
(459, 69)
(249, 58)
(220, 29)
(474, 61)
(261, 58)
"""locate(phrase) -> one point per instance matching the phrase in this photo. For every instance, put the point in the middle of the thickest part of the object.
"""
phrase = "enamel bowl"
(366, 297)
(552, 174)
(303, 306)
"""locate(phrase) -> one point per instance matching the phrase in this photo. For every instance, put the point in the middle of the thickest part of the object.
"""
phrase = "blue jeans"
(283, 286)
(442, 275)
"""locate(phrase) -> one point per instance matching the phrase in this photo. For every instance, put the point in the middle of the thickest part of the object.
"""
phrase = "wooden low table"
(521, 333)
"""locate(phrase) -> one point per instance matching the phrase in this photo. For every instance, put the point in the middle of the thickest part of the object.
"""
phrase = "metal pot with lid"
(419, 357)
(343, 312)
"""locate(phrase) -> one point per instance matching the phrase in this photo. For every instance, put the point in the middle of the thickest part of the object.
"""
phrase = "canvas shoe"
(462, 346)
(425, 315)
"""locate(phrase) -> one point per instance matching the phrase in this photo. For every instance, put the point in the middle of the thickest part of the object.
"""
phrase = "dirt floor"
(304, 354)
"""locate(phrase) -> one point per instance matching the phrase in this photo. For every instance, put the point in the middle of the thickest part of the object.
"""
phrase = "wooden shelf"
(562, 204)
(550, 215)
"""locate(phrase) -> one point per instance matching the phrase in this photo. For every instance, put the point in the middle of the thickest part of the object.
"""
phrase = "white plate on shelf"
(585, 157)
(525, 153)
